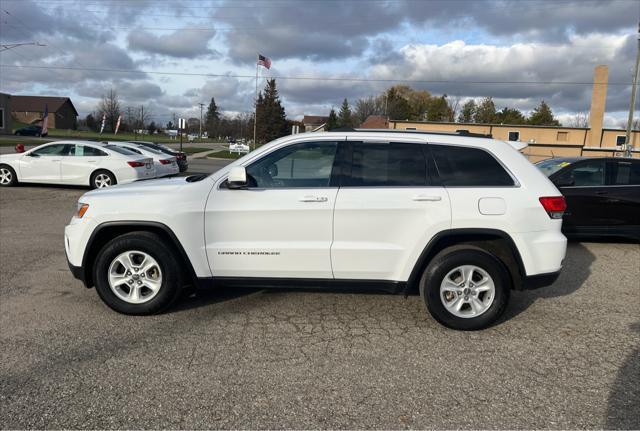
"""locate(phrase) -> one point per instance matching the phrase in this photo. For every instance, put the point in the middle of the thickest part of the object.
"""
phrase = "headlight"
(81, 209)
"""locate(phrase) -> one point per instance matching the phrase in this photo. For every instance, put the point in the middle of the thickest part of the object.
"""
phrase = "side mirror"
(273, 170)
(237, 178)
(32, 154)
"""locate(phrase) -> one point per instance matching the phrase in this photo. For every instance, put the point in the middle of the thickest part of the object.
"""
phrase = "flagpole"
(255, 115)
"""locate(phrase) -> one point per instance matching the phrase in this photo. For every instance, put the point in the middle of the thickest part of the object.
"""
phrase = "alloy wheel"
(135, 277)
(467, 291)
(5, 176)
(102, 180)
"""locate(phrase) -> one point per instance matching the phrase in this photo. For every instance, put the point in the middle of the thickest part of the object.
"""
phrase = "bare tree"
(581, 119)
(367, 106)
(453, 102)
(110, 107)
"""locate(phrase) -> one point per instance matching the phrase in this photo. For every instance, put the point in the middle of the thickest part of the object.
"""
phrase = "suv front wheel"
(465, 287)
(136, 274)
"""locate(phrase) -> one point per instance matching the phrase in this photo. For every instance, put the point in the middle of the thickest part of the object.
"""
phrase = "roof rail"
(460, 132)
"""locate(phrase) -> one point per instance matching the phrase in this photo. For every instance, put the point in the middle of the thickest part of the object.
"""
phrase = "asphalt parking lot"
(566, 356)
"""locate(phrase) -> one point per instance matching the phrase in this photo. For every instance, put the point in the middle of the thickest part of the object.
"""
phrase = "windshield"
(551, 166)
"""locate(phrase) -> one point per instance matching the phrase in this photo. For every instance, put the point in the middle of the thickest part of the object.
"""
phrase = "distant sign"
(182, 123)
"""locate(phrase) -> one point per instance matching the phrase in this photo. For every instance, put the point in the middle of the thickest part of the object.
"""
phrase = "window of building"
(469, 167)
(304, 165)
(410, 128)
(1, 118)
(388, 165)
(620, 140)
(514, 136)
(562, 136)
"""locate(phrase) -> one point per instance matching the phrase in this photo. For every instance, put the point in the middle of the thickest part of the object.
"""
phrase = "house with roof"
(313, 123)
(30, 110)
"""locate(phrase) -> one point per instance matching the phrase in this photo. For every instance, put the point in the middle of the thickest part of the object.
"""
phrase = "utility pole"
(201, 105)
(634, 84)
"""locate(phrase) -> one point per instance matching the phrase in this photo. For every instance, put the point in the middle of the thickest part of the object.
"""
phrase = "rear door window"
(392, 164)
(469, 167)
(625, 173)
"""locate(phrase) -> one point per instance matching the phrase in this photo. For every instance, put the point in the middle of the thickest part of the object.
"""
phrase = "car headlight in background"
(81, 209)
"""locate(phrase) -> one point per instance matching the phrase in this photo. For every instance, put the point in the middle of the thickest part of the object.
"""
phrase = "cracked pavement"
(566, 356)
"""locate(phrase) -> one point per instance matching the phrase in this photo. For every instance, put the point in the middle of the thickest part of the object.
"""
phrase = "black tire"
(152, 244)
(8, 170)
(448, 260)
(98, 175)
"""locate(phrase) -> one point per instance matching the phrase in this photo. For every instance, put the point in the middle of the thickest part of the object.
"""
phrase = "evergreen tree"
(510, 116)
(212, 118)
(397, 106)
(542, 116)
(468, 113)
(344, 117)
(486, 111)
(332, 123)
(438, 109)
(271, 118)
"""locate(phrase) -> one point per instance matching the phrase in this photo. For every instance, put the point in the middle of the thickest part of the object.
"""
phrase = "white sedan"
(165, 164)
(75, 163)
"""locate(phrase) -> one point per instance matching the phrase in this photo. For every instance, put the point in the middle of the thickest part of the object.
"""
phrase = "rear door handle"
(602, 192)
(425, 198)
(55, 160)
(314, 199)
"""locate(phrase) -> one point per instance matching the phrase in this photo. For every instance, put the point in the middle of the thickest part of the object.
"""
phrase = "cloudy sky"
(172, 55)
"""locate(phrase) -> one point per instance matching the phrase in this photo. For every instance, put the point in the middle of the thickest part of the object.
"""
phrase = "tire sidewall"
(442, 265)
(152, 245)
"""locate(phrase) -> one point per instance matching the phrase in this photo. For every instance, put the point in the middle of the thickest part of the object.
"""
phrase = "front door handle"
(55, 160)
(314, 199)
(425, 198)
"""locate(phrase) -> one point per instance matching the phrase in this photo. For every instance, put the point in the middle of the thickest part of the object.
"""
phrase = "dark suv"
(602, 194)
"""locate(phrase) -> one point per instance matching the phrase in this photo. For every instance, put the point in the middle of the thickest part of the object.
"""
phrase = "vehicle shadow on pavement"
(576, 270)
(623, 410)
(196, 298)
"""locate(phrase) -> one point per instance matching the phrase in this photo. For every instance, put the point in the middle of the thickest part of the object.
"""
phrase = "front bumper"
(77, 272)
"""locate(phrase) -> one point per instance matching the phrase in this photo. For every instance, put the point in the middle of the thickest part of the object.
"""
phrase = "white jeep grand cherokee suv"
(463, 218)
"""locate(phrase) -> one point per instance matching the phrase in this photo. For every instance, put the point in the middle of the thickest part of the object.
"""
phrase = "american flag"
(45, 121)
(264, 61)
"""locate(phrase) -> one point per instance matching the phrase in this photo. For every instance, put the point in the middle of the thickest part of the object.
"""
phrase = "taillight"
(554, 206)
(136, 164)
(165, 161)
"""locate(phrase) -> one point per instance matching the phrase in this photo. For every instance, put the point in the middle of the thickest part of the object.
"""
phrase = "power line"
(312, 78)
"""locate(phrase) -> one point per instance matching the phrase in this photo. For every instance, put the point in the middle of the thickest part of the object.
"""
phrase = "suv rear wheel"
(136, 274)
(465, 287)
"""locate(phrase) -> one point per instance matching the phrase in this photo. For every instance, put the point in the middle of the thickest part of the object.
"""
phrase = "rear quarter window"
(469, 167)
